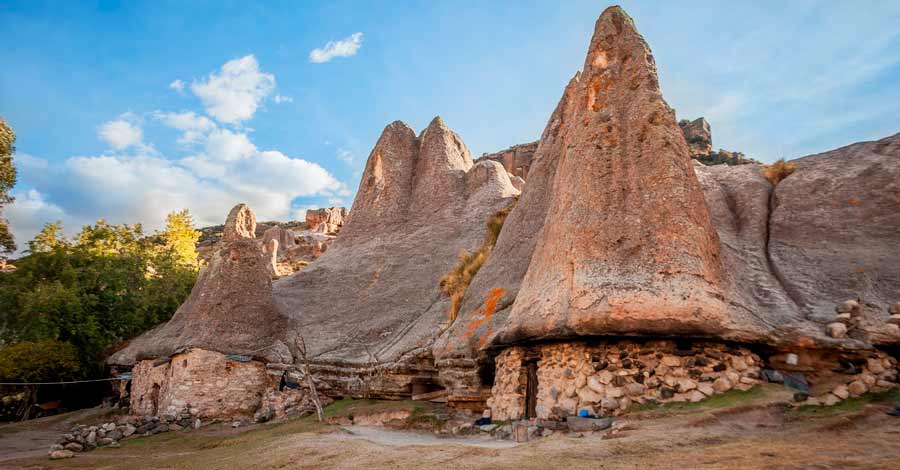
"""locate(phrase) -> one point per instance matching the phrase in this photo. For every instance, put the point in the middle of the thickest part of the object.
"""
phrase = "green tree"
(109, 284)
(42, 361)
(181, 238)
(48, 238)
(7, 181)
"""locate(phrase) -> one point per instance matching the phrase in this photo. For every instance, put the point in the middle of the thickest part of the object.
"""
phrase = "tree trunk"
(310, 383)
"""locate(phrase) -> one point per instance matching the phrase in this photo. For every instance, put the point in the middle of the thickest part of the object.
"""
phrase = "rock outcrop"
(835, 232)
(229, 310)
(332, 217)
(372, 301)
(516, 159)
(697, 135)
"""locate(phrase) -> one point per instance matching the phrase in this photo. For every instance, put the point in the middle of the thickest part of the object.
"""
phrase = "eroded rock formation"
(370, 307)
(648, 262)
(516, 159)
(617, 233)
(614, 235)
(332, 217)
(229, 310)
(697, 135)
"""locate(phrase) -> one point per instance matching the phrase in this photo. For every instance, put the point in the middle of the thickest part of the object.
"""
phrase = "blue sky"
(128, 110)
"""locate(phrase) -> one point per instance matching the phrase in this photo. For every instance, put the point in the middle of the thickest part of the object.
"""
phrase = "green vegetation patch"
(723, 400)
(850, 405)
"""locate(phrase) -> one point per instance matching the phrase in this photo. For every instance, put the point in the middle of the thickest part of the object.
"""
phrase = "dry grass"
(455, 283)
(778, 171)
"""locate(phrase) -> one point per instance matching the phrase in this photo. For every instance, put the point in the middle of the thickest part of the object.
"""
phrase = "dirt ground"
(757, 430)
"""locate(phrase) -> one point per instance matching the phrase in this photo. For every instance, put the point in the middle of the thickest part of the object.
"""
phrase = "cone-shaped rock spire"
(627, 246)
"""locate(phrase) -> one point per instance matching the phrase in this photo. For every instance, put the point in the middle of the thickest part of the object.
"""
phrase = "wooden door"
(531, 388)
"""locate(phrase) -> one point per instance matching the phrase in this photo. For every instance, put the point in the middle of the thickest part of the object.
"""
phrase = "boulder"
(580, 424)
(837, 330)
(61, 454)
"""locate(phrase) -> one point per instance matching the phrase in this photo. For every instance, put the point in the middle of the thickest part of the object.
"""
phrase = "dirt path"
(33, 438)
(761, 434)
(387, 437)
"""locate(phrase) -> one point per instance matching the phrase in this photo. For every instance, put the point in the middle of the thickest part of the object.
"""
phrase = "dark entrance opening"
(531, 388)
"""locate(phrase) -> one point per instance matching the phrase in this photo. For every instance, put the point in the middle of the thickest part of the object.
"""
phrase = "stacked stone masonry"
(607, 378)
(206, 382)
(877, 375)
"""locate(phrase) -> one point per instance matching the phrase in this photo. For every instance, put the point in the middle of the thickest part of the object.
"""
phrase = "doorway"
(531, 389)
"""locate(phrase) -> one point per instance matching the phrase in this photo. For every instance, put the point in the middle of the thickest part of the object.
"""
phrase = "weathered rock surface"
(373, 298)
(648, 262)
(698, 136)
(230, 309)
(332, 217)
(516, 159)
(835, 231)
(489, 297)
(579, 258)
(298, 243)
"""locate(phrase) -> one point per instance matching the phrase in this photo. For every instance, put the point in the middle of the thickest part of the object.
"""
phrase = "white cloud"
(283, 99)
(229, 146)
(344, 48)
(193, 127)
(233, 95)
(144, 186)
(345, 156)
(120, 133)
(177, 85)
(28, 214)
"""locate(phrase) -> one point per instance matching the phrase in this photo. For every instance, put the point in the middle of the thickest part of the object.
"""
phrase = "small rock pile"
(607, 379)
(85, 438)
(895, 314)
(878, 374)
(848, 318)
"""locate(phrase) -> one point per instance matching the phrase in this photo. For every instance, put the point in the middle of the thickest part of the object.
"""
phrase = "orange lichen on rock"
(490, 306)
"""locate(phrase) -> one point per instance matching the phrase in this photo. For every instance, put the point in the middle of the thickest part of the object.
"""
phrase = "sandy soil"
(761, 433)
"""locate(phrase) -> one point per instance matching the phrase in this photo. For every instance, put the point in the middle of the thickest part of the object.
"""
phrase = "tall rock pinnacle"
(627, 246)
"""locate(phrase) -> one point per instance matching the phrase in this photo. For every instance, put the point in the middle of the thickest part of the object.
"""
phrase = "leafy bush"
(455, 283)
(41, 361)
(778, 171)
(109, 284)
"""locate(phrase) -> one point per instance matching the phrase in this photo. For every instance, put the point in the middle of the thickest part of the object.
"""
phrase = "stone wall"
(877, 374)
(508, 394)
(607, 378)
(206, 382)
